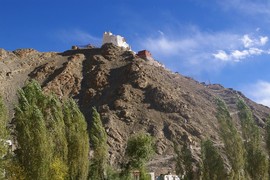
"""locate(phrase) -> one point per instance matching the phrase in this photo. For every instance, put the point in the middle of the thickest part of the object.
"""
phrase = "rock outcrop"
(130, 94)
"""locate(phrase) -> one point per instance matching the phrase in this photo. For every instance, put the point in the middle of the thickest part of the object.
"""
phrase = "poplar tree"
(179, 167)
(256, 161)
(52, 136)
(184, 160)
(4, 136)
(35, 149)
(233, 144)
(98, 140)
(54, 120)
(78, 141)
(267, 139)
(213, 165)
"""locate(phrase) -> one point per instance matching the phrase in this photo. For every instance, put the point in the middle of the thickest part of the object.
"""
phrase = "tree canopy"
(98, 139)
(4, 137)
(232, 140)
(52, 136)
(212, 162)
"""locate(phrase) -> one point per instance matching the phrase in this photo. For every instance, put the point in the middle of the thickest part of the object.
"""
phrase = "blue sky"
(225, 42)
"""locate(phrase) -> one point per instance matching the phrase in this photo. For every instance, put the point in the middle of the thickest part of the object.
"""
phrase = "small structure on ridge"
(88, 46)
(146, 55)
(117, 40)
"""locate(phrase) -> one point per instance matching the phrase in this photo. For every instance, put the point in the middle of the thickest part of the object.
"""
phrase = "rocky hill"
(131, 94)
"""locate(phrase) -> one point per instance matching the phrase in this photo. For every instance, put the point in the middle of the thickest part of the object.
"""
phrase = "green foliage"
(55, 123)
(257, 164)
(14, 170)
(143, 174)
(140, 149)
(179, 168)
(52, 136)
(250, 130)
(268, 136)
(256, 161)
(233, 144)
(35, 148)
(4, 136)
(59, 170)
(213, 166)
(184, 161)
(78, 141)
(113, 174)
(98, 140)
(98, 135)
(267, 139)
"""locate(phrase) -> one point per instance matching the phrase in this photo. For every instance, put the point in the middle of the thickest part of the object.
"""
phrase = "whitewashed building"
(168, 177)
(117, 40)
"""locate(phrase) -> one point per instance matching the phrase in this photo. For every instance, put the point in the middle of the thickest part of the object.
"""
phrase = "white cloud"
(251, 42)
(191, 51)
(250, 47)
(263, 40)
(196, 51)
(222, 55)
(176, 43)
(168, 46)
(256, 51)
(237, 55)
(247, 41)
(259, 92)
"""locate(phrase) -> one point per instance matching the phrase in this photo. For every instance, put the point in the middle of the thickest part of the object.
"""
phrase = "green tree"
(14, 170)
(140, 149)
(179, 168)
(267, 139)
(4, 136)
(52, 136)
(213, 166)
(250, 130)
(35, 150)
(56, 127)
(78, 141)
(59, 170)
(233, 144)
(98, 140)
(256, 161)
(54, 119)
(184, 160)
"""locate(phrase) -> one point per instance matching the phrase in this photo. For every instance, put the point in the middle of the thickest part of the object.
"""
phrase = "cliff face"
(131, 94)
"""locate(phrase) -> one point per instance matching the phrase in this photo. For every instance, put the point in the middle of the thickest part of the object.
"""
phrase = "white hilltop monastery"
(120, 41)
(117, 40)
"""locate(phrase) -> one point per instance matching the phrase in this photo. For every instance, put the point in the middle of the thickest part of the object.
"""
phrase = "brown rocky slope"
(130, 94)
